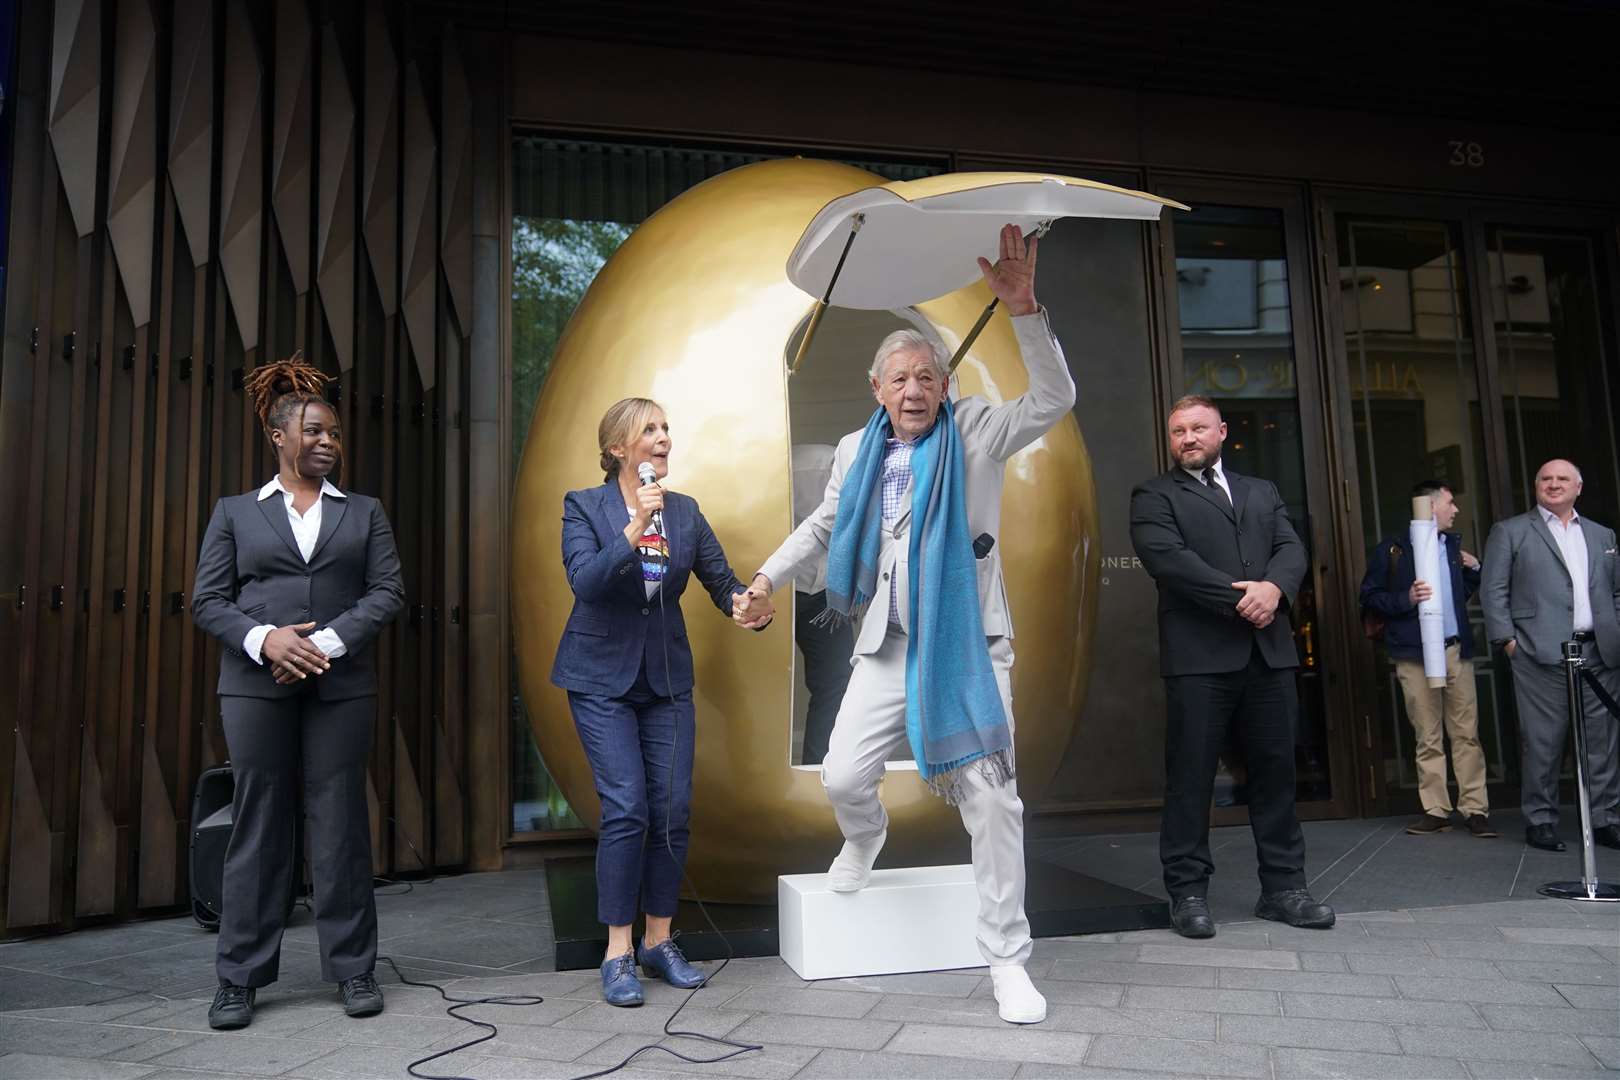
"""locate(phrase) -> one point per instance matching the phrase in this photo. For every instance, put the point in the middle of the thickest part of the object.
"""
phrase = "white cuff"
(326, 640)
(253, 644)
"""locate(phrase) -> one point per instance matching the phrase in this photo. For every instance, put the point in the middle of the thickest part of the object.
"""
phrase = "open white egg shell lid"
(920, 238)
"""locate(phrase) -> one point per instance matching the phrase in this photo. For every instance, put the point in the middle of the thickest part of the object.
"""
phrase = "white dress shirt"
(1571, 541)
(306, 529)
(1220, 477)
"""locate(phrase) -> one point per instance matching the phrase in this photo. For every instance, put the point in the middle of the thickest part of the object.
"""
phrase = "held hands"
(1259, 603)
(752, 609)
(1012, 278)
(291, 655)
(649, 497)
(1419, 592)
(1469, 562)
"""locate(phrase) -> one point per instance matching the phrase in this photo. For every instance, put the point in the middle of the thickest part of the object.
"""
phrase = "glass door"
(1240, 329)
(1406, 338)
(1467, 351)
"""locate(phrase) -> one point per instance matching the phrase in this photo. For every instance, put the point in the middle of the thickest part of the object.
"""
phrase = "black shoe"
(1479, 825)
(1190, 917)
(1607, 835)
(1296, 907)
(361, 995)
(1543, 837)
(232, 1008)
(1429, 824)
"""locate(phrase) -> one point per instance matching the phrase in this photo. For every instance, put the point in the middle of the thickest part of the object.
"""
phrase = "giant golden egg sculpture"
(696, 311)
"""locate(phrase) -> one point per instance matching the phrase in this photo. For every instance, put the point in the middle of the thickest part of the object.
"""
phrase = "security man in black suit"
(1227, 564)
(296, 579)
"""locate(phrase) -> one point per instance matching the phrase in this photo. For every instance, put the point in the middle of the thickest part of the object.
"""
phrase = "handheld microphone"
(649, 475)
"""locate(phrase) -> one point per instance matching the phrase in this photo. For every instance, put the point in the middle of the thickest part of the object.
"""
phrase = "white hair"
(902, 341)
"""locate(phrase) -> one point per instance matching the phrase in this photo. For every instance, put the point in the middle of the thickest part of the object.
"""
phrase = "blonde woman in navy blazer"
(627, 666)
(296, 579)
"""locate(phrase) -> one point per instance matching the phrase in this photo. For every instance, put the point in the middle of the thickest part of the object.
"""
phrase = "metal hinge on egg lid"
(902, 243)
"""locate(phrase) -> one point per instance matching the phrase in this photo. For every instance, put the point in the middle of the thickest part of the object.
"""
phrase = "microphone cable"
(737, 1048)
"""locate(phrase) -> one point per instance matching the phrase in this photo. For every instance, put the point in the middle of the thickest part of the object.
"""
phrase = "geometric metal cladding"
(290, 134)
(418, 256)
(178, 232)
(191, 121)
(241, 205)
(334, 210)
(132, 154)
(75, 104)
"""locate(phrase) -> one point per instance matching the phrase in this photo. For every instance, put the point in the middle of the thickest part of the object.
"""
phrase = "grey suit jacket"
(250, 572)
(990, 435)
(1528, 594)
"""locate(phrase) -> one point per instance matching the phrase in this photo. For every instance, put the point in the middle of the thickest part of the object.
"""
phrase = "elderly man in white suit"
(910, 380)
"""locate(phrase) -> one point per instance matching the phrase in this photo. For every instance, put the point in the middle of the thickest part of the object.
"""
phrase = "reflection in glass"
(574, 203)
(1237, 344)
(1416, 411)
(1548, 321)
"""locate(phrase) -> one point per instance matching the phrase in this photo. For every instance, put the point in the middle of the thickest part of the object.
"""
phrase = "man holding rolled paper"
(1550, 577)
(1441, 704)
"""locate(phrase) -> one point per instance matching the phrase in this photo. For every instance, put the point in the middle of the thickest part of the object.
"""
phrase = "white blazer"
(990, 435)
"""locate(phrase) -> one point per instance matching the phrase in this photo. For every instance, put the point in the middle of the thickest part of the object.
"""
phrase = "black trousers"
(274, 743)
(1258, 707)
(826, 650)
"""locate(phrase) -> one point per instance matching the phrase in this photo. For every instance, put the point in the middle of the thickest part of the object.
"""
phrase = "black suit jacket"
(250, 573)
(1195, 544)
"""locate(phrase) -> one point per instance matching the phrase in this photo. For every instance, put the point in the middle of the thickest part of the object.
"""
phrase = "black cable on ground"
(492, 1030)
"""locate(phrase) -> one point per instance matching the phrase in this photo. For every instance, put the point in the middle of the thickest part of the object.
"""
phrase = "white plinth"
(916, 919)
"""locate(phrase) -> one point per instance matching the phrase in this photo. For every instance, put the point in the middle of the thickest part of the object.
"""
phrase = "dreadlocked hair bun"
(278, 388)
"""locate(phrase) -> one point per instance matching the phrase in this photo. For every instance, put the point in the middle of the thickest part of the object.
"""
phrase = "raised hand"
(1012, 278)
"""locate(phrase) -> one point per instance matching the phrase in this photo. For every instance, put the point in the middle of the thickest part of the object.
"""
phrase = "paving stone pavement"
(1488, 980)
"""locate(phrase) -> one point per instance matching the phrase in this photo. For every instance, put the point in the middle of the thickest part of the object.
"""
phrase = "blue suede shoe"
(665, 961)
(619, 983)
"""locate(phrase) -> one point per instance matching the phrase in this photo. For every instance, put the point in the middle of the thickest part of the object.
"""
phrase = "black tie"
(1209, 478)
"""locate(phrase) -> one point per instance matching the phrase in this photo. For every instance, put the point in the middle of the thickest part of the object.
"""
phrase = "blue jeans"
(640, 749)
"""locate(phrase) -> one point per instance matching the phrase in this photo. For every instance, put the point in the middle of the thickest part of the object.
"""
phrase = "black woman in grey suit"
(296, 579)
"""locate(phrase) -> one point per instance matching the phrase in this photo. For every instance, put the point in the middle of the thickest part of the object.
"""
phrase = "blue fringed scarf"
(954, 717)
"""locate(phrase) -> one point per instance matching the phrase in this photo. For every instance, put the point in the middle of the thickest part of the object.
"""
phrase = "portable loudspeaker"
(211, 817)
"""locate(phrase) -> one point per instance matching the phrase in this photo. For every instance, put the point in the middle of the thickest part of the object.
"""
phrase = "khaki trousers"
(1453, 710)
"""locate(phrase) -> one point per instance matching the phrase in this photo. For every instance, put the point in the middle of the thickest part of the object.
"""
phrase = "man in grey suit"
(1550, 577)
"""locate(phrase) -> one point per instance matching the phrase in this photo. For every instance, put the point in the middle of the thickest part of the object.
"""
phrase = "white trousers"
(871, 723)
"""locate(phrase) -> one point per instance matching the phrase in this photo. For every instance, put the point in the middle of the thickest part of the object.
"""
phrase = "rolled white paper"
(1427, 565)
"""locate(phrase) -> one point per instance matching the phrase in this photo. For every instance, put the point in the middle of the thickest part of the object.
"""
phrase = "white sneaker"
(853, 868)
(1018, 1000)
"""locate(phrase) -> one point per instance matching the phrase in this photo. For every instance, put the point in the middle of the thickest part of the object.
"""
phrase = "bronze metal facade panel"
(291, 164)
(165, 237)
(382, 154)
(191, 120)
(76, 102)
(335, 215)
(421, 232)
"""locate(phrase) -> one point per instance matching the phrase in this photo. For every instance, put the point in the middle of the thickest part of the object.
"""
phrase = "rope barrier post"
(1589, 887)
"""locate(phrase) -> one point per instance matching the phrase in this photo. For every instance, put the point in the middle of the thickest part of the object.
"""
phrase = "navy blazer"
(1195, 543)
(1387, 589)
(615, 626)
(250, 573)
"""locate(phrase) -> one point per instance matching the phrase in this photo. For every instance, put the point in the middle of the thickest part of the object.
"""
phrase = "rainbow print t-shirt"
(653, 551)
